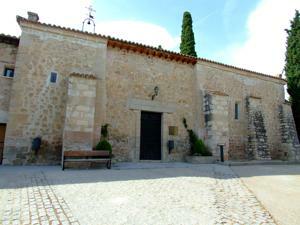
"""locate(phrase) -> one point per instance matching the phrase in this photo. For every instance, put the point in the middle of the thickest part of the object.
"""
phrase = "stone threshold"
(257, 162)
(150, 165)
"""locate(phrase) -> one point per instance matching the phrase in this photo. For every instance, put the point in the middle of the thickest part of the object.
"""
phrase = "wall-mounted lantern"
(155, 93)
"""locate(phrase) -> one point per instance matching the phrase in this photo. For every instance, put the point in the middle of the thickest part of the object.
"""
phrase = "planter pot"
(200, 159)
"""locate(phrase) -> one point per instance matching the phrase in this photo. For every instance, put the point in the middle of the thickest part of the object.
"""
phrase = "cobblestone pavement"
(204, 194)
(33, 201)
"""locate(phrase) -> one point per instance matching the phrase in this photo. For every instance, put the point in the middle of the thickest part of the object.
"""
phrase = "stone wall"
(216, 122)
(238, 85)
(257, 145)
(131, 79)
(290, 142)
(122, 87)
(8, 54)
(80, 111)
(37, 107)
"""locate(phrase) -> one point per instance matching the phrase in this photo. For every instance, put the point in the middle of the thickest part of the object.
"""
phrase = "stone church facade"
(63, 85)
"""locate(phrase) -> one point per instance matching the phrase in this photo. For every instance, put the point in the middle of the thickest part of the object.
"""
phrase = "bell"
(88, 22)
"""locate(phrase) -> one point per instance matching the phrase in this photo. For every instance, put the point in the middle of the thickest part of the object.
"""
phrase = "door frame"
(135, 153)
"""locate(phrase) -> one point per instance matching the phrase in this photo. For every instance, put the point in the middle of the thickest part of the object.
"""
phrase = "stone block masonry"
(38, 107)
(216, 122)
(79, 122)
(131, 79)
(289, 138)
(257, 147)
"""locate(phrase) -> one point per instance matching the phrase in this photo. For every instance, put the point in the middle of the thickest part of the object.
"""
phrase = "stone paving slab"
(202, 194)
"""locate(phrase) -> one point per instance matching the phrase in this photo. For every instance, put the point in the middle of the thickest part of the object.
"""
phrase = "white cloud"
(264, 49)
(61, 12)
(70, 13)
(138, 31)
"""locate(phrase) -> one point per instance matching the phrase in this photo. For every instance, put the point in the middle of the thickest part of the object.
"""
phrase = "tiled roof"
(4, 38)
(240, 69)
(150, 50)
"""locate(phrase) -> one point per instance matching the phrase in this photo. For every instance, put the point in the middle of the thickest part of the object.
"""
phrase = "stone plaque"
(173, 130)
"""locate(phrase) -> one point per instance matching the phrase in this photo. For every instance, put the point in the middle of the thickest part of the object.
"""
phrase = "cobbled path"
(208, 194)
(33, 201)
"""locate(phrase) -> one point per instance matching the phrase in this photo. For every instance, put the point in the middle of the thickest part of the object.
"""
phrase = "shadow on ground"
(18, 176)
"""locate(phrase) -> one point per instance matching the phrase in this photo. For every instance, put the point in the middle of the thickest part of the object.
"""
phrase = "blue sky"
(215, 23)
(245, 33)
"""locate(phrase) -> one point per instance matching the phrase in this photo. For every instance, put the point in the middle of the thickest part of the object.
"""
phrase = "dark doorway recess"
(150, 136)
(2, 136)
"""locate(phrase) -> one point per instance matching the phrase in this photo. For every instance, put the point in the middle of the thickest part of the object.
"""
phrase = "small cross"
(91, 10)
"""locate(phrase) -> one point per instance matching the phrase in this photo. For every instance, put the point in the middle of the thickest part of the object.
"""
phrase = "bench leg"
(63, 165)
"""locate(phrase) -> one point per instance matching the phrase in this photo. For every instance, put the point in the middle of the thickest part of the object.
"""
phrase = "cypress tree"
(292, 67)
(187, 45)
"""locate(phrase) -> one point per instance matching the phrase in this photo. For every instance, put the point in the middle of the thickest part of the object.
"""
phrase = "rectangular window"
(9, 72)
(236, 111)
(53, 77)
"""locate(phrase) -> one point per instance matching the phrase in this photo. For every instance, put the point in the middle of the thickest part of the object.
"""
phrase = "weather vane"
(90, 19)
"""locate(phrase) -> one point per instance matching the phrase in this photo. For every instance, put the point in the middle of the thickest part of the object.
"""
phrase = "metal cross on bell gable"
(90, 19)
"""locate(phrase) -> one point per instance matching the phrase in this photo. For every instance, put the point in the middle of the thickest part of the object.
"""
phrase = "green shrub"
(104, 145)
(192, 137)
(206, 152)
(197, 146)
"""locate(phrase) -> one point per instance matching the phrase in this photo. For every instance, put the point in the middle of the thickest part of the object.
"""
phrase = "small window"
(9, 72)
(53, 77)
(236, 111)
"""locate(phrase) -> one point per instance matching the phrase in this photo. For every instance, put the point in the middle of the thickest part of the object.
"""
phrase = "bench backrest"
(86, 153)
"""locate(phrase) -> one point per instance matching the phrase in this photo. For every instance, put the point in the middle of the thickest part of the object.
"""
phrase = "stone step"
(256, 162)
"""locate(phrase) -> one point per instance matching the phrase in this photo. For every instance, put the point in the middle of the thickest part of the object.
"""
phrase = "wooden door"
(150, 136)
(2, 136)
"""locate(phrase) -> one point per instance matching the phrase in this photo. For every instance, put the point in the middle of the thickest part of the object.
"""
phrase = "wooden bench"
(86, 156)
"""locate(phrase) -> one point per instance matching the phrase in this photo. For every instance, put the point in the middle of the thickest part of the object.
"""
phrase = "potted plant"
(199, 152)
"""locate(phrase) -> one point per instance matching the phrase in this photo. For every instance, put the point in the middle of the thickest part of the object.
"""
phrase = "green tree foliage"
(292, 67)
(104, 131)
(187, 45)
